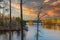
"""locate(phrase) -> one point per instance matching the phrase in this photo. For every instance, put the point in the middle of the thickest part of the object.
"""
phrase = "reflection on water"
(16, 36)
(8, 36)
(3, 36)
(45, 33)
(51, 27)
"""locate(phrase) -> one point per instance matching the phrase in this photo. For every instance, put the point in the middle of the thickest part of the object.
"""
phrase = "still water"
(44, 34)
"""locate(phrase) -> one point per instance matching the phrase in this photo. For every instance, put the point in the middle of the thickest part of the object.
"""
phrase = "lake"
(44, 33)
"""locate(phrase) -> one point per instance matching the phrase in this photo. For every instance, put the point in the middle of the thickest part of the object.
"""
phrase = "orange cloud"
(32, 12)
(52, 12)
(55, 3)
(57, 8)
(15, 5)
(26, 11)
(45, 1)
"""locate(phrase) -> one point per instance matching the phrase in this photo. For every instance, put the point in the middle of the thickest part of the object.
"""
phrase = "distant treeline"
(51, 21)
(34, 21)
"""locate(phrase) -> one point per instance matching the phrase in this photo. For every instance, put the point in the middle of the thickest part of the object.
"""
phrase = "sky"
(50, 8)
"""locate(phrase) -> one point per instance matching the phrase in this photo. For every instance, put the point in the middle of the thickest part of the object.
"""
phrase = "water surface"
(44, 34)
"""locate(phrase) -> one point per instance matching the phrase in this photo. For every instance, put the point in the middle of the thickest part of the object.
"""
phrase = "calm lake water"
(44, 34)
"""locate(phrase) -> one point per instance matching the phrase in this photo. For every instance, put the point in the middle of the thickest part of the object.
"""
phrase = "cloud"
(55, 3)
(26, 10)
(35, 3)
(57, 11)
(53, 12)
(52, 9)
(45, 1)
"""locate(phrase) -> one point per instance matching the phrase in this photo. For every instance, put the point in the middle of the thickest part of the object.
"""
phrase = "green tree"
(1, 23)
(19, 22)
